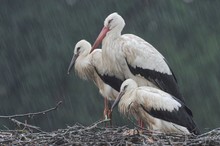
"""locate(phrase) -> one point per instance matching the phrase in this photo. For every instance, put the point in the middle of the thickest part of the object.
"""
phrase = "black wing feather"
(112, 81)
(171, 70)
(164, 81)
(180, 117)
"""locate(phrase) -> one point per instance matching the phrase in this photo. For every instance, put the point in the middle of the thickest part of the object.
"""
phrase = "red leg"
(107, 111)
(140, 123)
(110, 117)
(105, 107)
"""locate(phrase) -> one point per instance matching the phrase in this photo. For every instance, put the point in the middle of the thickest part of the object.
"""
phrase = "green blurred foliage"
(37, 40)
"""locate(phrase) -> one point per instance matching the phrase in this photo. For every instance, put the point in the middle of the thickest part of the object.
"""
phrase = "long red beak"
(100, 38)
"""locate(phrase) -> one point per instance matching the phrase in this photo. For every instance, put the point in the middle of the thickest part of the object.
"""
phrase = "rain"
(38, 38)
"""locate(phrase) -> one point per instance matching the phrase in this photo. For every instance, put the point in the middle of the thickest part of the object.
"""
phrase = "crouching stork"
(158, 110)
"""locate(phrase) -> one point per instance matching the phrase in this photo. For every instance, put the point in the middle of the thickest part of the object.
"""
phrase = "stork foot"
(108, 115)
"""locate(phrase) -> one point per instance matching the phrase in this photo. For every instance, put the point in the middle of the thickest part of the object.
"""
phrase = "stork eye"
(125, 87)
(77, 49)
(110, 21)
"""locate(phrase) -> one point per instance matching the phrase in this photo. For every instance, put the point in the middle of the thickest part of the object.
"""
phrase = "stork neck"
(111, 55)
(108, 47)
(113, 34)
(83, 67)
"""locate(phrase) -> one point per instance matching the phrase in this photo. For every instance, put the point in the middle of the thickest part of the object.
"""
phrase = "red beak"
(100, 38)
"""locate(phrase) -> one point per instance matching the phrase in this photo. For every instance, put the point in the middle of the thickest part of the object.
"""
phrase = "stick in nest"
(25, 125)
(97, 123)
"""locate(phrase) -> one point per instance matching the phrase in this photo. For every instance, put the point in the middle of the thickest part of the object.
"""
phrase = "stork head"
(82, 48)
(127, 85)
(114, 23)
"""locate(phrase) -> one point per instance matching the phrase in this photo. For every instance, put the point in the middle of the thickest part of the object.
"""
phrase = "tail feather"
(196, 130)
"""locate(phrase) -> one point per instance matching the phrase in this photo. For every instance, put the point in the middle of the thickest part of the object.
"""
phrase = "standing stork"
(129, 56)
(159, 110)
(87, 66)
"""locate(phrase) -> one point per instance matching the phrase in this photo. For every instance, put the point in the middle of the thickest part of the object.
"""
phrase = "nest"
(97, 134)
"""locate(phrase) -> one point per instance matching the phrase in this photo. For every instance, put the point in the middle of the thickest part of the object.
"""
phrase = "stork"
(129, 56)
(87, 65)
(159, 110)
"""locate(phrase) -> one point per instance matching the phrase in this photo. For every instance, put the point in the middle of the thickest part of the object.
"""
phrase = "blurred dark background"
(36, 46)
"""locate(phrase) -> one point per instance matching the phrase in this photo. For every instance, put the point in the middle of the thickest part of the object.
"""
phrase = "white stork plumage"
(129, 56)
(159, 110)
(87, 65)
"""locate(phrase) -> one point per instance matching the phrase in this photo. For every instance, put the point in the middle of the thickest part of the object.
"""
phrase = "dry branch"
(25, 125)
(32, 114)
(28, 126)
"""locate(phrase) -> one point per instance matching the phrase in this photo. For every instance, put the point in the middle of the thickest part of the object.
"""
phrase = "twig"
(25, 125)
(32, 114)
(97, 123)
(209, 133)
